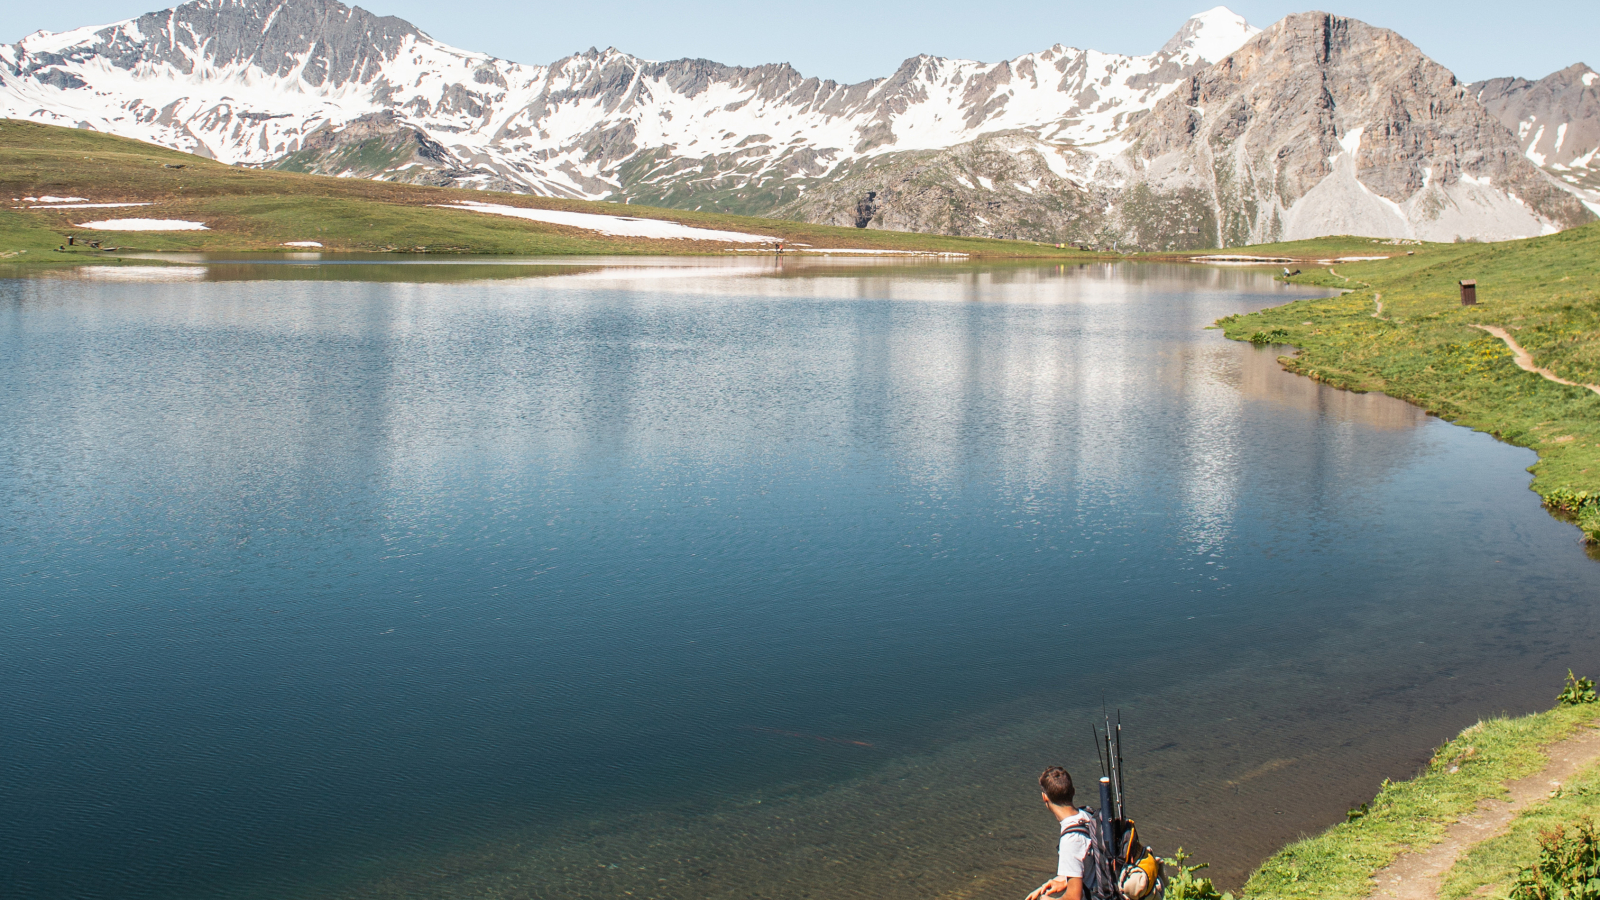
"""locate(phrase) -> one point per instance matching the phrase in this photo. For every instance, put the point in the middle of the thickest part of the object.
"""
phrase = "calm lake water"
(715, 581)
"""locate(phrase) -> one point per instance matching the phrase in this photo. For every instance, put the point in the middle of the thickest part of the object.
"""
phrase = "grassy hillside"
(250, 209)
(1545, 292)
(1323, 248)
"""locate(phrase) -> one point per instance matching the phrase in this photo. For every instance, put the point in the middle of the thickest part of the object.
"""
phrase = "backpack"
(1099, 862)
(1105, 869)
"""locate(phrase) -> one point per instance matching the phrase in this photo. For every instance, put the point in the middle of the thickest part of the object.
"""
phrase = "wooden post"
(1469, 293)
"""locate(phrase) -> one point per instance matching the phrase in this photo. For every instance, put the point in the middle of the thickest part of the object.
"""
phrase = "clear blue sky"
(850, 40)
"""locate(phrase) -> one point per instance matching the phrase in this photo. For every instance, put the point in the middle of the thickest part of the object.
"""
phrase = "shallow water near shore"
(690, 579)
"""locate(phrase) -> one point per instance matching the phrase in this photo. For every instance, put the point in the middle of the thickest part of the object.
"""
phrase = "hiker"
(1074, 846)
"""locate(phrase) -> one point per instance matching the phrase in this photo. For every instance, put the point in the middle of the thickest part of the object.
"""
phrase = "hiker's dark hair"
(1057, 785)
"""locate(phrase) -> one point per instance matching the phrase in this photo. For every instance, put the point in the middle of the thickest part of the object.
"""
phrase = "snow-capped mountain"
(1318, 125)
(250, 81)
(1055, 145)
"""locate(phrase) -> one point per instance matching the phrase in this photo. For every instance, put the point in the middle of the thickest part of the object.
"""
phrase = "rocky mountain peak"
(322, 42)
(1323, 124)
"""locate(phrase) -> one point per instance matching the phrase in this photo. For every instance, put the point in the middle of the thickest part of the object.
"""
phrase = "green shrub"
(1578, 690)
(1275, 336)
(1570, 500)
(1182, 883)
(1568, 867)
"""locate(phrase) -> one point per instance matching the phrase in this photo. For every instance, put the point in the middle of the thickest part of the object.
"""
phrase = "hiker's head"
(1057, 786)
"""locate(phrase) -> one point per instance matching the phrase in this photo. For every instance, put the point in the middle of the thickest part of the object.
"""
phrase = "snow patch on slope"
(144, 225)
(620, 226)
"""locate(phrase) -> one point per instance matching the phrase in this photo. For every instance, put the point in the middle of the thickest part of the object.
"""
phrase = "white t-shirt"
(1074, 847)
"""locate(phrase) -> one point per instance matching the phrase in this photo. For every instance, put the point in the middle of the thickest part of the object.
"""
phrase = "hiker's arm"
(1065, 888)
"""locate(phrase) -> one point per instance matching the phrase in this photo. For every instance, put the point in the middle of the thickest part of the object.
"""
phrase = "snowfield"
(617, 226)
(82, 205)
(144, 225)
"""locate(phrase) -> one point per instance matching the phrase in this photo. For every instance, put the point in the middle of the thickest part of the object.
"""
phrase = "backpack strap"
(1099, 861)
(1082, 826)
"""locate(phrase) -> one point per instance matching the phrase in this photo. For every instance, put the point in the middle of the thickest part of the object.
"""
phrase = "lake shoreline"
(1349, 861)
(1429, 350)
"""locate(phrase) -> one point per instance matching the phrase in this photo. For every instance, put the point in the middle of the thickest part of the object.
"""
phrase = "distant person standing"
(1074, 845)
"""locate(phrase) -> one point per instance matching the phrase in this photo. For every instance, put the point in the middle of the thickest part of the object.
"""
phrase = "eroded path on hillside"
(1525, 359)
(1418, 875)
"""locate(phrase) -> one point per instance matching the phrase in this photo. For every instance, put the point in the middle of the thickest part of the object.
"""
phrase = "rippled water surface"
(695, 581)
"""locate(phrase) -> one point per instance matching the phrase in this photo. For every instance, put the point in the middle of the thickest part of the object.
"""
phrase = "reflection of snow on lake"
(617, 226)
(1209, 457)
(139, 273)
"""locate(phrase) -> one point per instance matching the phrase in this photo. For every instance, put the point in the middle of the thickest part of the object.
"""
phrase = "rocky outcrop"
(318, 42)
(866, 209)
(384, 146)
(1326, 125)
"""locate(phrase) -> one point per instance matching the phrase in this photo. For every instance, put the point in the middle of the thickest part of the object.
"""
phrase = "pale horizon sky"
(850, 42)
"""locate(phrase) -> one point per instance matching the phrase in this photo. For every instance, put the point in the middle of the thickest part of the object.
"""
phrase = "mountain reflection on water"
(715, 578)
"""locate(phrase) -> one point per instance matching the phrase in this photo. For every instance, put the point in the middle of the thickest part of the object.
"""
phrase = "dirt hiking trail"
(1418, 875)
(1525, 359)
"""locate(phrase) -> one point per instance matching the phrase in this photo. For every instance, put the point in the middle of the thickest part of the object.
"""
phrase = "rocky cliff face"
(1320, 125)
(1557, 123)
(1007, 185)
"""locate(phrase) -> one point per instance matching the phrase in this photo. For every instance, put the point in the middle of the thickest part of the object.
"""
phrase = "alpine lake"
(329, 577)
